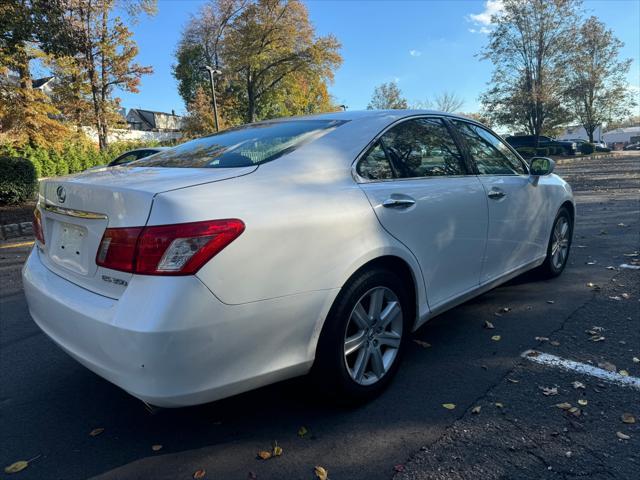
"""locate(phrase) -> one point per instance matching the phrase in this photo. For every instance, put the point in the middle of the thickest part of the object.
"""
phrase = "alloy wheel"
(373, 335)
(560, 243)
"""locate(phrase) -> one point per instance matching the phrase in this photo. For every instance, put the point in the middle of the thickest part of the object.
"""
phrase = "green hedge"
(77, 155)
(587, 148)
(18, 181)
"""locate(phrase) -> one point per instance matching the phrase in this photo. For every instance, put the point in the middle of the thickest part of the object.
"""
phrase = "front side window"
(244, 146)
(422, 148)
(491, 155)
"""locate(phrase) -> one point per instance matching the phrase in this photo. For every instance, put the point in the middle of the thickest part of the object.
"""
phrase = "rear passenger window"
(422, 148)
(491, 155)
(375, 165)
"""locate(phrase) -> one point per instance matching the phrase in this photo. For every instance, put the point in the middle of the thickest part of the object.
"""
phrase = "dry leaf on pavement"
(96, 431)
(623, 436)
(564, 406)
(608, 366)
(449, 406)
(636, 360)
(422, 344)
(264, 455)
(16, 466)
(499, 405)
(277, 450)
(398, 468)
(582, 402)
(628, 418)
(624, 373)
(577, 384)
(156, 448)
(302, 431)
(321, 472)
(199, 474)
(476, 409)
(496, 338)
(488, 325)
(549, 391)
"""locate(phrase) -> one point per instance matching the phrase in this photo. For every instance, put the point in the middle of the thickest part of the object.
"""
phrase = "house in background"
(621, 137)
(150, 121)
(573, 132)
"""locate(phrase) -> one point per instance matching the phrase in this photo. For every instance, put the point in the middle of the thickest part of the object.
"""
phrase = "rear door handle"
(496, 194)
(398, 203)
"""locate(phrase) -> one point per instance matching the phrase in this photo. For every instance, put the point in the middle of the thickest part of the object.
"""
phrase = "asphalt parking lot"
(49, 404)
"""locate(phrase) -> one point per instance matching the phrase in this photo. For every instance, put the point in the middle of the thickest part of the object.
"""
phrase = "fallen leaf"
(488, 325)
(551, 302)
(449, 406)
(549, 391)
(496, 338)
(513, 380)
(621, 224)
(252, 476)
(96, 431)
(541, 339)
(564, 406)
(399, 468)
(505, 310)
(302, 431)
(575, 411)
(156, 448)
(590, 263)
(624, 373)
(636, 360)
(16, 466)
(499, 405)
(626, 296)
(533, 353)
(277, 450)
(593, 285)
(199, 473)
(476, 409)
(582, 402)
(622, 436)
(608, 366)
(422, 344)
(628, 418)
(610, 267)
(555, 343)
(577, 384)
(615, 298)
(597, 338)
(264, 455)
(321, 473)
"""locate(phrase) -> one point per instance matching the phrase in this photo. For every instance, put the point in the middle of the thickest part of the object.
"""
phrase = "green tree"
(529, 47)
(387, 96)
(263, 47)
(596, 88)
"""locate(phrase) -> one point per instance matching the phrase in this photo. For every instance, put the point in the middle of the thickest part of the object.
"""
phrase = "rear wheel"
(364, 337)
(559, 245)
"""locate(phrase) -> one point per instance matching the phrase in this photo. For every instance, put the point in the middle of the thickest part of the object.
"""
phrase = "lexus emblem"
(61, 193)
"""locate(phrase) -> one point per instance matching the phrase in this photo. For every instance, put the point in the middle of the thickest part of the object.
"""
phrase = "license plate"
(68, 247)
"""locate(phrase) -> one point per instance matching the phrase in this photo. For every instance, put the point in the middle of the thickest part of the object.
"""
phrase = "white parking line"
(584, 368)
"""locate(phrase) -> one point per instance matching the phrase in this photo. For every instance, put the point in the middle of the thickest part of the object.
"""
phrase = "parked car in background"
(632, 146)
(529, 142)
(597, 146)
(310, 244)
(133, 155)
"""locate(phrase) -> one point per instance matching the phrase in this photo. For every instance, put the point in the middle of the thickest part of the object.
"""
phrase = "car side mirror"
(540, 166)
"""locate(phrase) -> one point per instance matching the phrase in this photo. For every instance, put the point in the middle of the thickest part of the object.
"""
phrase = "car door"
(417, 181)
(518, 210)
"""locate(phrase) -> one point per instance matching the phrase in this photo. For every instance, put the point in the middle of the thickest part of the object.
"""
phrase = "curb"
(13, 230)
(563, 161)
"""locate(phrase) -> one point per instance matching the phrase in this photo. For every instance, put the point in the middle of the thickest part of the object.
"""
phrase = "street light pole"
(212, 73)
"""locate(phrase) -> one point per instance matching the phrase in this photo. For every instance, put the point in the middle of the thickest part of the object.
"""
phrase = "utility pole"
(212, 74)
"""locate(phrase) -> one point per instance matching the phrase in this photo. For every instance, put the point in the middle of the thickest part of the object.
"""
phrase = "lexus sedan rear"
(304, 245)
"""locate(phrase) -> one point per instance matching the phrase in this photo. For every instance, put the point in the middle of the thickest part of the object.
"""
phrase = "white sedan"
(311, 244)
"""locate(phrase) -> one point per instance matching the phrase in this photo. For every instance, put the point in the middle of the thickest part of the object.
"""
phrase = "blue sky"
(427, 46)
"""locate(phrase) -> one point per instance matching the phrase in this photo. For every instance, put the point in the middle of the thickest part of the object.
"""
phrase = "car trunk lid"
(77, 209)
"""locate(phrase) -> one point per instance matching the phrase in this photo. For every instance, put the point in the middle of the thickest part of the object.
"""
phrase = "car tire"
(340, 374)
(559, 245)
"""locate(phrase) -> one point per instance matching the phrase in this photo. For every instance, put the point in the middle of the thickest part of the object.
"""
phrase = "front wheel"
(363, 339)
(559, 245)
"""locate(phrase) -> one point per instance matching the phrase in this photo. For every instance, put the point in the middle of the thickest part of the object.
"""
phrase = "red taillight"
(37, 226)
(180, 249)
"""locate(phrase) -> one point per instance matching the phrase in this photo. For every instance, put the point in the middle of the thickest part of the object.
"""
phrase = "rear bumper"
(169, 341)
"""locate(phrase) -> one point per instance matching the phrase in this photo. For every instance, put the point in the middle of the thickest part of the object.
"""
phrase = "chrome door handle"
(398, 202)
(496, 194)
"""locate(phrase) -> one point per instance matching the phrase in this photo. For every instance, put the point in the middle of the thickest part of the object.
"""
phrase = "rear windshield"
(244, 146)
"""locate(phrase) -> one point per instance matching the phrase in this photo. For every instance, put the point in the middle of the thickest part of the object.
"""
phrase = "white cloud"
(482, 20)
(415, 53)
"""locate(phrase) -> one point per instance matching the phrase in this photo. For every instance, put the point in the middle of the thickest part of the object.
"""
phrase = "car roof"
(368, 115)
